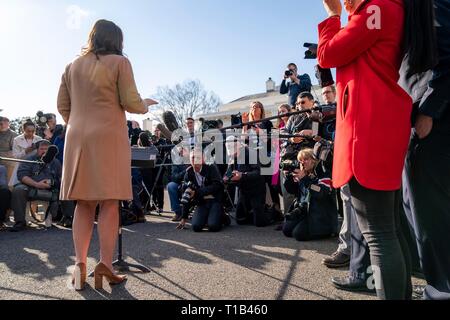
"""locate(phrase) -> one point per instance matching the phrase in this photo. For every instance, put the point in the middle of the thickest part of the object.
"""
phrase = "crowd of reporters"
(25, 180)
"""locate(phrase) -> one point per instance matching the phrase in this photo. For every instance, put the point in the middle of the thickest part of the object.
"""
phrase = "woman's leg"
(108, 230)
(83, 225)
(375, 211)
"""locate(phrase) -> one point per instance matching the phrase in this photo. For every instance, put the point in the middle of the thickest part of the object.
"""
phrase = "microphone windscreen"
(164, 131)
(144, 137)
(170, 121)
(50, 155)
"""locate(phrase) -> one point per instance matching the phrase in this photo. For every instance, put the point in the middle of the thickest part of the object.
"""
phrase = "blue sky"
(232, 46)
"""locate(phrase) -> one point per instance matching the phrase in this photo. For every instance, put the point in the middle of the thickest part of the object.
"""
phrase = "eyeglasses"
(301, 103)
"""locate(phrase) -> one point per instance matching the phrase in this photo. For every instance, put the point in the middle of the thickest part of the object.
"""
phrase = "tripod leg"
(150, 194)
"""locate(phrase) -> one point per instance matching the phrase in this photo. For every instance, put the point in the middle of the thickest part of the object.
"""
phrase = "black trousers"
(360, 253)
(250, 208)
(426, 189)
(5, 202)
(378, 216)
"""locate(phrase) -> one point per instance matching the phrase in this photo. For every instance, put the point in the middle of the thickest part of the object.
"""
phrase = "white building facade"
(271, 99)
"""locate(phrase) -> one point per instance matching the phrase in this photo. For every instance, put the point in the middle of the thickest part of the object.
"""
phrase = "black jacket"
(430, 90)
(252, 181)
(213, 185)
(177, 173)
(294, 89)
(38, 173)
(317, 193)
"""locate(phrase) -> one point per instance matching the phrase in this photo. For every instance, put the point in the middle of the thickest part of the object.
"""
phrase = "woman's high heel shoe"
(79, 277)
(102, 271)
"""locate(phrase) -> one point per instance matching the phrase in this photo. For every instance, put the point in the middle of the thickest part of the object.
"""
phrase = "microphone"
(164, 131)
(170, 121)
(50, 155)
(144, 137)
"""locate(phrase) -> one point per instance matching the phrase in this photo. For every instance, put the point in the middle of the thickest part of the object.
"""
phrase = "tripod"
(120, 263)
(151, 203)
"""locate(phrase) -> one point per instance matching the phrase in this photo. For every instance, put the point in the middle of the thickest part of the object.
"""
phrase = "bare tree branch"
(187, 99)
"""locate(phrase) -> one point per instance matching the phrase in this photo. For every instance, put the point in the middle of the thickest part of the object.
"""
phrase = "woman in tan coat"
(96, 90)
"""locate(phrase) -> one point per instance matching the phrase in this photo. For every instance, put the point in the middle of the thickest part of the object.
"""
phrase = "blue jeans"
(208, 214)
(174, 195)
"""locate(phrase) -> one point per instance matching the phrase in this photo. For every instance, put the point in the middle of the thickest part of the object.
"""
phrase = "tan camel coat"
(92, 99)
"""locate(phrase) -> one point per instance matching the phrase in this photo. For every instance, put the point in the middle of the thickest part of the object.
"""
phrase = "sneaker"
(418, 292)
(337, 260)
(18, 227)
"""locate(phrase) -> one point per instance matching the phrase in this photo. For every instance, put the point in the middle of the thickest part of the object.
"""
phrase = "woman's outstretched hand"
(333, 7)
(150, 102)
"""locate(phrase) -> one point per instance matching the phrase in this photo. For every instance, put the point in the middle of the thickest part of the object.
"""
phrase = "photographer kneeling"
(37, 182)
(314, 213)
(202, 187)
(246, 174)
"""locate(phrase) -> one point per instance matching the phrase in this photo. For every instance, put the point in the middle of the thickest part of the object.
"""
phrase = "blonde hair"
(306, 154)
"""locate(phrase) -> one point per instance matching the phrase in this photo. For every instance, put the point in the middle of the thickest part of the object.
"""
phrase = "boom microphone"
(164, 131)
(170, 121)
(50, 155)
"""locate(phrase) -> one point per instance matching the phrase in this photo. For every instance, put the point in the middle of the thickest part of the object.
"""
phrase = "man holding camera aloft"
(53, 130)
(204, 188)
(296, 83)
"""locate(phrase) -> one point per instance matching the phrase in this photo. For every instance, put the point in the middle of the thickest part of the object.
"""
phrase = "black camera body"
(299, 212)
(289, 165)
(324, 76)
(186, 197)
(289, 73)
(236, 119)
(40, 121)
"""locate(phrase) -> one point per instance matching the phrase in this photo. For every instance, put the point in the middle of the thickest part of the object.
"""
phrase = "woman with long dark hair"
(96, 90)
(373, 121)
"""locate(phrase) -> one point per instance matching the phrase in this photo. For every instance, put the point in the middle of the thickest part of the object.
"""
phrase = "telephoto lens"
(186, 198)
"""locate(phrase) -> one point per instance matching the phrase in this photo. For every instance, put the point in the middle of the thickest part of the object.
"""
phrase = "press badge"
(315, 188)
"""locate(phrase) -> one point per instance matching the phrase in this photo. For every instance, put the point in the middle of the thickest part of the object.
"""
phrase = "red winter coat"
(373, 120)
